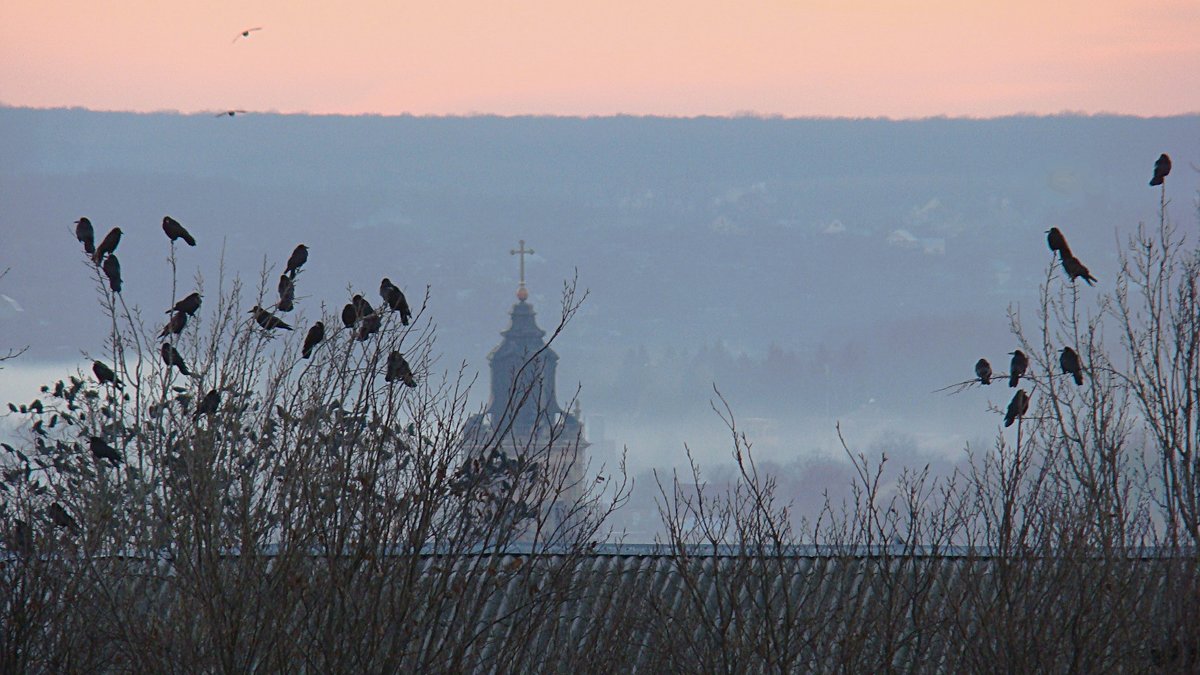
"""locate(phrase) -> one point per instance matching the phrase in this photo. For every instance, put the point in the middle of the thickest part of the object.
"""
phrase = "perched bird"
(112, 270)
(1076, 269)
(176, 231)
(362, 306)
(102, 450)
(85, 234)
(983, 370)
(369, 326)
(296, 261)
(107, 245)
(1070, 364)
(287, 294)
(21, 539)
(175, 325)
(60, 517)
(314, 337)
(1017, 407)
(246, 33)
(209, 404)
(398, 369)
(105, 375)
(1020, 363)
(1162, 167)
(188, 305)
(349, 315)
(395, 299)
(171, 357)
(1057, 242)
(268, 320)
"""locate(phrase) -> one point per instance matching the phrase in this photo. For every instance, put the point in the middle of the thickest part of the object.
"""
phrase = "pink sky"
(897, 58)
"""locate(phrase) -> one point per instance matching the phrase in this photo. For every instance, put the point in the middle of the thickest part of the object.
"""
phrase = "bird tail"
(191, 241)
(1013, 380)
(1008, 421)
(1157, 180)
(1078, 378)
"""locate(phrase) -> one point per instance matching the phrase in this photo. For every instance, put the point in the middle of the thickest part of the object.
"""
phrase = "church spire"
(522, 294)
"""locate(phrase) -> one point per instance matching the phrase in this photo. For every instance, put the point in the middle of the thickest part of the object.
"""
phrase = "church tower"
(523, 417)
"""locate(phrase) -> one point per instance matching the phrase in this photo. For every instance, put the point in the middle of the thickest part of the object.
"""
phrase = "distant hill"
(810, 267)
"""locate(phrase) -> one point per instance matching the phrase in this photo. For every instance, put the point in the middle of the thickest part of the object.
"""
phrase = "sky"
(795, 58)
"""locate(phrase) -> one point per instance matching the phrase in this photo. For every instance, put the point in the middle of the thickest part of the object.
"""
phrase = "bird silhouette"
(176, 231)
(1017, 407)
(349, 315)
(21, 539)
(230, 113)
(983, 370)
(105, 375)
(107, 245)
(188, 305)
(102, 450)
(1162, 167)
(268, 320)
(112, 270)
(315, 335)
(175, 325)
(86, 235)
(171, 357)
(1057, 242)
(394, 297)
(60, 517)
(1075, 269)
(296, 260)
(287, 294)
(209, 404)
(1016, 370)
(246, 33)
(1070, 365)
(398, 369)
(362, 306)
(369, 326)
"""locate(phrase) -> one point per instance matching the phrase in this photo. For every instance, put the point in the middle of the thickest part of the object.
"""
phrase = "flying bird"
(983, 370)
(175, 325)
(287, 294)
(1057, 242)
(296, 261)
(102, 450)
(188, 305)
(171, 357)
(105, 375)
(1020, 363)
(395, 299)
(398, 369)
(369, 326)
(112, 270)
(1070, 365)
(246, 33)
(209, 404)
(314, 337)
(1017, 407)
(268, 320)
(176, 231)
(107, 245)
(60, 517)
(349, 315)
(230, 113)
(1076, 269)
(86, 235)
(1162, 167)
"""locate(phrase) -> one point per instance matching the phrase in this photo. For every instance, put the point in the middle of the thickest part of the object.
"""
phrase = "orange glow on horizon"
(666, 57)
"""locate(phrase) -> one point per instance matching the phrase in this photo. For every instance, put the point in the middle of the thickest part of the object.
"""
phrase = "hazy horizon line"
(738, 115)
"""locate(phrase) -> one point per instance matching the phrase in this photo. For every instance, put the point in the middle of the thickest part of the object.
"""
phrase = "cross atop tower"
(521, 252)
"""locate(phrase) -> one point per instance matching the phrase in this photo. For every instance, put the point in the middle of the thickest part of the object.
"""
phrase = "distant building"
(523, 419)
